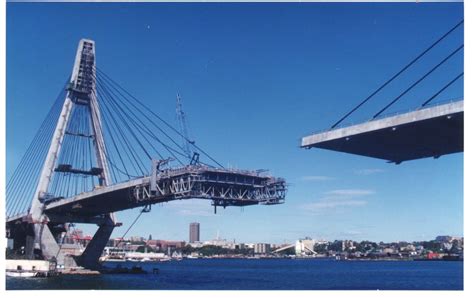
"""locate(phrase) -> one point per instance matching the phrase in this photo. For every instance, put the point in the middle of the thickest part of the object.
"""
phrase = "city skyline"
(289, 67)
(218, 236)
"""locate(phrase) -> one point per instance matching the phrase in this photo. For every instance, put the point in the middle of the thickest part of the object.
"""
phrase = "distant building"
(165, 245)
(137, 239)
(447, 245)
(304, 246)
(194, 232)
(114, 242)
(221, 243)
(196, 244)
(262, 248)
(249, 245)
(444, 239)
(409, 247)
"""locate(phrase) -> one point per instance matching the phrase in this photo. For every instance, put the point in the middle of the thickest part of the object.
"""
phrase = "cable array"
(406, 67)
(165, 133)
(133, 135)
(24, 179)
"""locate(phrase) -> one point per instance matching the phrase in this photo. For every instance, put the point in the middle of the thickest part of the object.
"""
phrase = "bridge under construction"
(101, 150)
(430, 130)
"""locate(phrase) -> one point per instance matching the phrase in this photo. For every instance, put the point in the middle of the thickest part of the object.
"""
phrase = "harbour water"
(264, 274)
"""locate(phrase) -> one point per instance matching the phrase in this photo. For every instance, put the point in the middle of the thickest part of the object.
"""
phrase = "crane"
(194, 159)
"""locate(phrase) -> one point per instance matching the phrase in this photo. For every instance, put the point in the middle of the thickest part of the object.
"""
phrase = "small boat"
(21, 273)
(30, 268)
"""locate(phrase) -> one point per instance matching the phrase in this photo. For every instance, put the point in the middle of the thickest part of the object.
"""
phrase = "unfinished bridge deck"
(427, 132)
(224, 187)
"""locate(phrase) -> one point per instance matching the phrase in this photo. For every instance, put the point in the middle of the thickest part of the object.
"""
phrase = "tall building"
(193, 232)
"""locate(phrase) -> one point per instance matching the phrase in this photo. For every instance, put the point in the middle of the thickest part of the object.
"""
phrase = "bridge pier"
(40, 241)
(90, 257)
(33, 240)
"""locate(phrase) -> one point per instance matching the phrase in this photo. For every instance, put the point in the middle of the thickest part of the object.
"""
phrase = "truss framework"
(223, 186)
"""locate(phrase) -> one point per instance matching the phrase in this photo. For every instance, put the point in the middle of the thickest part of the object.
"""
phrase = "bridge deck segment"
(428, 132)
(224, 187)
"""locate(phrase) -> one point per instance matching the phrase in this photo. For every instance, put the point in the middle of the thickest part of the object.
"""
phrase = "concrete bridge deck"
(427, 132)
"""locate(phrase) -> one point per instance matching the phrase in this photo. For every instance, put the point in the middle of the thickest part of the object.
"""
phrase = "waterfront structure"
(262, 248)
(220, 242)
(250, 245)
(196, 244)
(29, 268)
(304, 246)
(114, 242)
(164, 245)
(194, 232)
(137, 239)
(241, 246)
(91, 186)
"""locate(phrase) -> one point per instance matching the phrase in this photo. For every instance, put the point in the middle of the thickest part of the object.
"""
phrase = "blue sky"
(254, 79)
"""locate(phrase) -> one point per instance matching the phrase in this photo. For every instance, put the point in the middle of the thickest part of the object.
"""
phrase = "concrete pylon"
(81, 90)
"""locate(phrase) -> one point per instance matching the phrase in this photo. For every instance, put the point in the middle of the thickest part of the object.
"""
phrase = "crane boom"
(194, 158)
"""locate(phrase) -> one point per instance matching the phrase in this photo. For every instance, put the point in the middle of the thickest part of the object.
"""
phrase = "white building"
(304, 246)
(196, 244)
(221, 243)
(249, 245)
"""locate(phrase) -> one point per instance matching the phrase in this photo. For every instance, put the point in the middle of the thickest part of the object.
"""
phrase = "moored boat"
(30, 268)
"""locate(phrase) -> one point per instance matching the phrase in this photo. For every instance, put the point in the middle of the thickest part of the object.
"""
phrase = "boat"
(30, 268)
(21, 273)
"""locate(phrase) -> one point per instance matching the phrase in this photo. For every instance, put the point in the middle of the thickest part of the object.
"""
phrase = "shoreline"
(297, 258)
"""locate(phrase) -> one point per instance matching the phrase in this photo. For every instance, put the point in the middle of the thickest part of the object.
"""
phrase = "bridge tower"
(81, 90)
(75, 180)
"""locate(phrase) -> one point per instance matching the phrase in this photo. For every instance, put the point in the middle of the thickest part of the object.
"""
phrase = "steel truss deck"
(224, 187)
